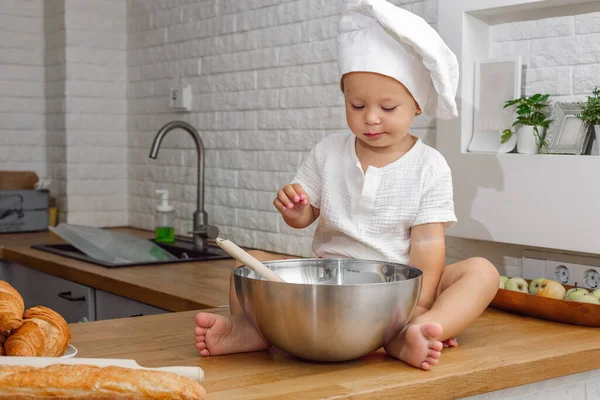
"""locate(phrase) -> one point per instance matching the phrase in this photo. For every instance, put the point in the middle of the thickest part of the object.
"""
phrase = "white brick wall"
(63, 102)
(265, 83)
(95, 60)
(22, 98)
(561, 54)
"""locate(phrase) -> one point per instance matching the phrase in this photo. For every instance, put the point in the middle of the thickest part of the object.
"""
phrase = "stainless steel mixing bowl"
(329, 309)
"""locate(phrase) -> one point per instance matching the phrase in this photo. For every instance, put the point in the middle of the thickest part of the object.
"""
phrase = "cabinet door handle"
(67, 296)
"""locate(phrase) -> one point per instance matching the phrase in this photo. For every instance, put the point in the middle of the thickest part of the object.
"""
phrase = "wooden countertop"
(498, 351)
(174, 287)
(26, 239)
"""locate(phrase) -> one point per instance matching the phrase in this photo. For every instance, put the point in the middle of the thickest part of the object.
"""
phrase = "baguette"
(89, 382)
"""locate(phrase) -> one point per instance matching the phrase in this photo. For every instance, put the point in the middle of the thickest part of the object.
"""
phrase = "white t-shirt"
(369, 215)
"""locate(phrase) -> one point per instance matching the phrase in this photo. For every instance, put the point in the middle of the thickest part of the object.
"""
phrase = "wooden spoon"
(245, 258)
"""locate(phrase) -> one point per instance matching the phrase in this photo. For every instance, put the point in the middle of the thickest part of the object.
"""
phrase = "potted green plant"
(590, 111)
(530, 123)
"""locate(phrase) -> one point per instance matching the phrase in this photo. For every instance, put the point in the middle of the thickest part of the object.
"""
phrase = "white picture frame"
(497, 80)
(567, 133)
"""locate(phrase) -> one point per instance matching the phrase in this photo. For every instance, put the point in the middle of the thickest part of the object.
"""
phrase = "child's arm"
(428, 253)
(294, 205)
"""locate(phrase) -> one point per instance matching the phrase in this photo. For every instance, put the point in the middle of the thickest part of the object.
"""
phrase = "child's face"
(379, 109)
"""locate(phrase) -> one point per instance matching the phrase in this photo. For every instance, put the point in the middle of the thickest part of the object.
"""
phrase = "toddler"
(380, 193)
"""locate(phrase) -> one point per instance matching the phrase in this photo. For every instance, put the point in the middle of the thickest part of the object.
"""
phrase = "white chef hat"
(376, 36)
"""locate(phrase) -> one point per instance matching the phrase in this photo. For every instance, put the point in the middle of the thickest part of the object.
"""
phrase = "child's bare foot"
(217, 334)
(415, 346)
(450, 342)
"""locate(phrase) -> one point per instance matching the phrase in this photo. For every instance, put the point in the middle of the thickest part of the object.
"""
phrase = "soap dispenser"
(165, 219)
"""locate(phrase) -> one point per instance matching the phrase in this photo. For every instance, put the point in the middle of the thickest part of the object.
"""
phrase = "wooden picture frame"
(567, 134)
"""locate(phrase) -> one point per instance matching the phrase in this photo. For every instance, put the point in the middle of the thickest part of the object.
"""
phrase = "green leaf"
(506, 134)
(511, 103)
(524, 108)
(536, 97)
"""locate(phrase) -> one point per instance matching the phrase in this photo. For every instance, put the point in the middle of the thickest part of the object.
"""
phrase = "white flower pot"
(527, 142)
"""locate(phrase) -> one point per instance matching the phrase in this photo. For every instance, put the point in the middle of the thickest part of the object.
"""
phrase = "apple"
(574, 293)
(533, 286)
(551, 289)
(596, 293)
(503, 280)
(588, 298)
(517, 284)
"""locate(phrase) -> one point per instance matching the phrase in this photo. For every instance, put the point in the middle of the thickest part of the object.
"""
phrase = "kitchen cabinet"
(3, 270)
(583, 385)
(73, 301)
(110, 306)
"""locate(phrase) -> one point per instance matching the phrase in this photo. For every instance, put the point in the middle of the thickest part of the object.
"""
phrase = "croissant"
(26, 341)
(80, 381)
(44, 333)
(3, 336)
(11, 307)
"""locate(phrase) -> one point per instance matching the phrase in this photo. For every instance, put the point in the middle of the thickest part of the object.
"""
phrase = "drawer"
(73, 301)
(110, 306)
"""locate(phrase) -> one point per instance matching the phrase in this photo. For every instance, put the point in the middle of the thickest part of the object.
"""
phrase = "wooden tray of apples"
(548, 299)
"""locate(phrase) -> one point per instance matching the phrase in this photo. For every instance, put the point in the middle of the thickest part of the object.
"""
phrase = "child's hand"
(291, 201)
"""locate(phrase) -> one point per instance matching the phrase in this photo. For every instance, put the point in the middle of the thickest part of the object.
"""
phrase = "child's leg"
(465, 290)
(217, 334)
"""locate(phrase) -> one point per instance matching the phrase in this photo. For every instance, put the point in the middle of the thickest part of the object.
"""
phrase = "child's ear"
(419, 112)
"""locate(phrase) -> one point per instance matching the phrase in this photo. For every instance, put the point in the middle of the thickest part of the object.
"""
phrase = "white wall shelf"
(550, 201)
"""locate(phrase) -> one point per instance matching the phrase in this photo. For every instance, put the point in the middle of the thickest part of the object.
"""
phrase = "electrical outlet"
(565, 273)
(533, 268)
(591, 278)
(587, 276)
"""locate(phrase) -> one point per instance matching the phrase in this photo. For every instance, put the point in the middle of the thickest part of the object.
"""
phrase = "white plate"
(70, 352)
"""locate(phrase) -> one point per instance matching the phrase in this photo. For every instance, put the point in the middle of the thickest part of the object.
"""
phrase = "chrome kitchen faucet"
(201, 230)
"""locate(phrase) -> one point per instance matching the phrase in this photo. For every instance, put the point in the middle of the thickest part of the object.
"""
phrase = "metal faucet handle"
(206, 231)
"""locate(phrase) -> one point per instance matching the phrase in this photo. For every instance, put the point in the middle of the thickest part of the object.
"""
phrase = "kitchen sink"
(184, 251)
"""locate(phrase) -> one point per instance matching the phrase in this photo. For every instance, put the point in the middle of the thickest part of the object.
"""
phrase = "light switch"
(180, 98)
